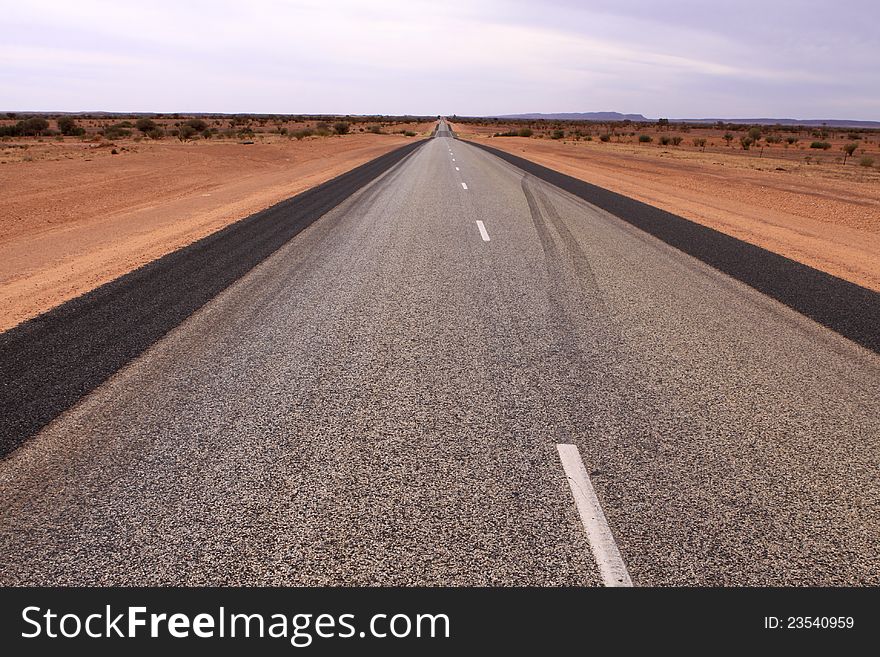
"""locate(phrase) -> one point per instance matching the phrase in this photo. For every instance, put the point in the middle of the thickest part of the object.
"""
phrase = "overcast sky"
(675, 58)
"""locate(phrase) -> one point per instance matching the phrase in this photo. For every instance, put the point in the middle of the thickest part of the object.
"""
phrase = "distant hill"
(617, 116)
(578, 116)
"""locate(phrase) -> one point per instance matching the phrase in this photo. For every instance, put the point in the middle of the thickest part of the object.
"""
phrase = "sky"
(675, 58)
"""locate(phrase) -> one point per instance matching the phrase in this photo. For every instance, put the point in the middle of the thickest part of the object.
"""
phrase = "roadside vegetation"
(808, 145)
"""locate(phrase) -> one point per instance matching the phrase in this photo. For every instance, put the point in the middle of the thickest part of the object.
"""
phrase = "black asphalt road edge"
(50, 362)
(846, 308)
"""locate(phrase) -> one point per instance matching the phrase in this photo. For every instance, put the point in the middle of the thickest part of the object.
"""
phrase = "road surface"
(382, 401)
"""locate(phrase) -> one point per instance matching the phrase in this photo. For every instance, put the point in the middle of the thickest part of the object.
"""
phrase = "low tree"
(755, 134)
(700, 143)
(746, 143)
(848, 151)
(728, 137)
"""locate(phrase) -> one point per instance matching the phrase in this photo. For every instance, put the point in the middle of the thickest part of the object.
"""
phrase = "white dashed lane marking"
(602, 543)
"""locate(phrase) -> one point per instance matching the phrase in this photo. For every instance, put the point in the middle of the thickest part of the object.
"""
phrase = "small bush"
(605, 137)
(186, 132)
(301, 134)
(409, 133)
(341, 128)
(824, 145)
(699, 142)
(145, 125)
(664, 140)
(791, 140)
(728, 137)
(524, 132)
(866, 161)
(67, 125)
(376, 129)
(115, 132)
(746, 143)
(156, 133)
(198, 125)
(557, 134)
(645, 139)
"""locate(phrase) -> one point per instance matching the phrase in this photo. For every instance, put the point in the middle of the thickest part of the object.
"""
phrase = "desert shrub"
(68, 126)
(301, 134)
(664, 140)
(605, 137)
(587, 138)
(145, 125)
(848, 150)
(824, 145)
(772, 139)
(728, 137)
(115, 132)
(186, 132)
(524, 132)
(791, 140)
(557, 134)
(376, 129)
(198, 125)
(699, 142)
(409, 133)
(206, 133)
(124, 124)
(676, 140)
(755, 134)
(341, 128)
(866, 161)
(35, 125)
(645, 139)
(746, 143)
(156, 133)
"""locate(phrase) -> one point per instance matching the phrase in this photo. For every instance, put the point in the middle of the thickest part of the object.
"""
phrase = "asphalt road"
(380, 401)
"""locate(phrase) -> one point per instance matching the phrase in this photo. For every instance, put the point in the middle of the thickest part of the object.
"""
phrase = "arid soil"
(825, 215)
(73, 215)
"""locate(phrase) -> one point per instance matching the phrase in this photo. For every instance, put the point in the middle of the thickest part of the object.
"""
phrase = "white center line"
(605, 550)
(453, 159)
(463, 186)
(483, 233)
(457, 169)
